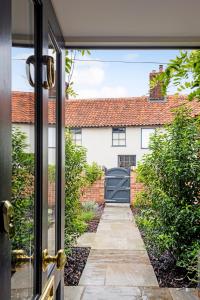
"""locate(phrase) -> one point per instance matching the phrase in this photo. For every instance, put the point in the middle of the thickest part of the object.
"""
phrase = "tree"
(183, 72)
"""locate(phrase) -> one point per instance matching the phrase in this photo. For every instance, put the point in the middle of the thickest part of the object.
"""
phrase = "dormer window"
(118, 136)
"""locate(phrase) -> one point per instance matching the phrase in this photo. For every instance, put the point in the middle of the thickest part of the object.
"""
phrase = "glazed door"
(32, 153)
(53, 89)
(5, 144)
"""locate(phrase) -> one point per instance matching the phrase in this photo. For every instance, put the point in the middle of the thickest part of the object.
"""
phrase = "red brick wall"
(51, 194)
(135, 186)
(95, 192)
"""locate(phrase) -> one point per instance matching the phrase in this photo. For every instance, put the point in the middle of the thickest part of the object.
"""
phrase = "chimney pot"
(156, 92)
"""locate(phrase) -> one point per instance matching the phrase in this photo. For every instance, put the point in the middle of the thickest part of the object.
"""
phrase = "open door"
(32, 156)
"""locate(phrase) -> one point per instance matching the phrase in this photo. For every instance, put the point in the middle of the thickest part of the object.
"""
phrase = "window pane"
(52, 163)
(23, 162)
(76, 130)
(115, 136)
(122, 142)
(118, 134)
(78, 137)
(146, 133)
(118, 129)
(126, 161)
(115, 142)
(122, 136)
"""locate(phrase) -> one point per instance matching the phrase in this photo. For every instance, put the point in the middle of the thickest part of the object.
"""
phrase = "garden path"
(118, 266)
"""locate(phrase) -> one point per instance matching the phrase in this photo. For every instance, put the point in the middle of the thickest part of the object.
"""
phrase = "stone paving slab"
(73, 292)
(118, 256)
(120, 243)
(128, 293)
(184, 294)
(86, 240)
(130, 275)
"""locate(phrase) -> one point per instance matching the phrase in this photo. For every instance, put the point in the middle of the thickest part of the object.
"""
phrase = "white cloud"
(91, 74)
(103, 92)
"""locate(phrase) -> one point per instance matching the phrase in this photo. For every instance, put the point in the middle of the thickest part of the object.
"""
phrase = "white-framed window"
(126, 161)
(77, 136)
(145, 137)
(118, 136)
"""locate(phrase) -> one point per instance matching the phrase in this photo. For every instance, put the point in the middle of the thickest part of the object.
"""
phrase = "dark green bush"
(171, 175)
(22, 192)
(75, 163)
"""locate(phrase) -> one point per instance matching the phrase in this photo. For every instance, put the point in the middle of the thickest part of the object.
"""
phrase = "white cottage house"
(115, 131)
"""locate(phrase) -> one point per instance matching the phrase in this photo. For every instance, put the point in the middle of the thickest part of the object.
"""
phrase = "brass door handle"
(47, 61)
(7, 214)
(30, 61)
(19, 258)
(59, 259)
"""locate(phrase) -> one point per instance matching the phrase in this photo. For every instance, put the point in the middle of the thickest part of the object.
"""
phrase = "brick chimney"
(156, 92)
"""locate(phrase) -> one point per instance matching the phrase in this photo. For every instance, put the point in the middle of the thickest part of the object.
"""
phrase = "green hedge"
(171, 175)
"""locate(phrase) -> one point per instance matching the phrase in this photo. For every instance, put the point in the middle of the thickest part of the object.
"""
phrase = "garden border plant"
(169, 205)
(78, 174)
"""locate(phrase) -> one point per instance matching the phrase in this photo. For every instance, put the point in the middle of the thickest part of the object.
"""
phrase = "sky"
(103, 79)
(107, 79)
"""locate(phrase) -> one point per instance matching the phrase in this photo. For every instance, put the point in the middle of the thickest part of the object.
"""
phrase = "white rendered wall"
(98, 142)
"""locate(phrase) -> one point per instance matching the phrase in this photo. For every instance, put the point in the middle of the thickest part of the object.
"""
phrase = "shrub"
(93, 172)
(90, 206)
(75, 162)
(87, 216)
(51, 173)
(141, 200)
(22, 192)
(170, 173)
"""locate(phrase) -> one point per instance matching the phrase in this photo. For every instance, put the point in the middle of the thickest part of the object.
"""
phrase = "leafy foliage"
(76, 215)
(90, 206)
(70, 56)
(183, 72)
(171, 175)
(93, 172)
(76, 179)
(75, 162)
(22, 192)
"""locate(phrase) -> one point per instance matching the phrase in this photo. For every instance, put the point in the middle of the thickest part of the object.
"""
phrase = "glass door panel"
(23, 158)
(52, 151)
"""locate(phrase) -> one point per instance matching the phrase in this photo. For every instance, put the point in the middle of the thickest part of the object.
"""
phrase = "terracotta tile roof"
(22, 107)
(135, 111)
